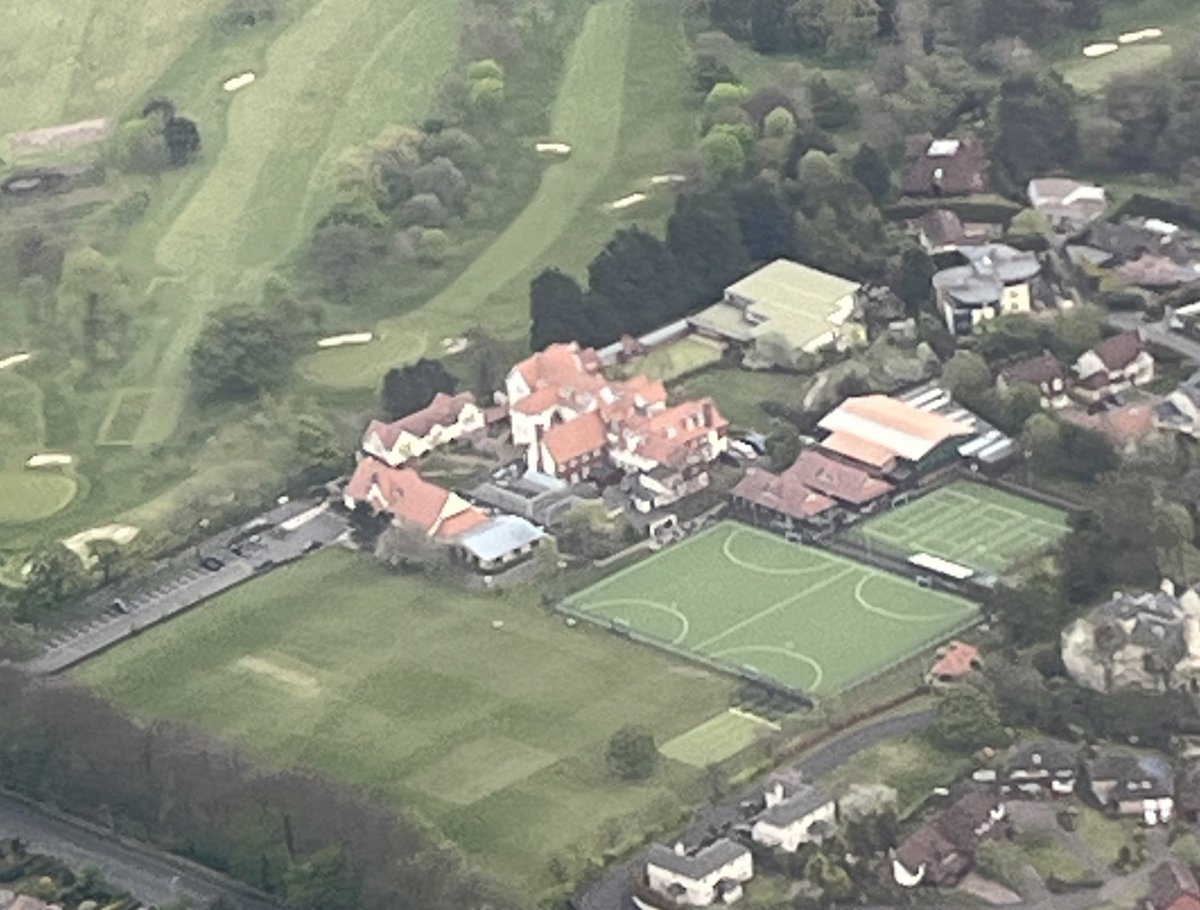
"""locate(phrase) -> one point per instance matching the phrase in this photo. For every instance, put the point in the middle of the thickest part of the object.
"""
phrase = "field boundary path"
(151, 875)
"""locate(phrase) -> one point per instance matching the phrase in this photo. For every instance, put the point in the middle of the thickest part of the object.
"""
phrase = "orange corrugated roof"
(581, 436)
(860, 449)
(893, 424)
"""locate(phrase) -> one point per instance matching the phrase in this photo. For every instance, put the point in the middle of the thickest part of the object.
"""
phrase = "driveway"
(1157, 332)
(612, 892)
(287, 533)
(149, 875)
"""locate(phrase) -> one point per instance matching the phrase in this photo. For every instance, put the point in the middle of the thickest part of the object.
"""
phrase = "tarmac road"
(612, 892)
(183, 583)
(152, 876)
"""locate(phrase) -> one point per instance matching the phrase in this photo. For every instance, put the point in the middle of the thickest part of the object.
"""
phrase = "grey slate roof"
(803, 801)
(1137, 776)
(502, 535)
(991, 267)
(699, 864)
(1044, 755)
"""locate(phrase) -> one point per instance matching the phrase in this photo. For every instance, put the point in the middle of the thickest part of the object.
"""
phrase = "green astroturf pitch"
(968, 523)
(747, 600)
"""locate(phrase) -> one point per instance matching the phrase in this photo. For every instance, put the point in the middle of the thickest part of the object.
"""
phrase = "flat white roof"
(941, 566)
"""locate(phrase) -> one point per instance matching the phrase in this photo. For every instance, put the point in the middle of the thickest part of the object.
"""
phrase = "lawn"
(717, 739)
(740, 394)
(403, 687)
(747, 601)
(974, 525)
(31, 495)
(622, 108)
(914, 766)
(687, 355)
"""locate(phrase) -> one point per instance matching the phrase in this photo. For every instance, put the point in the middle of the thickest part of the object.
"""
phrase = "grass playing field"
(32, 494)
(798, 615)
(401, 686)
(717, 739)
(970, 524)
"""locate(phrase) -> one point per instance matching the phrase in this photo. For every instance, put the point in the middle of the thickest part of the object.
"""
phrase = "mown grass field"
(622, 108)
(403, 687)
(740, 394)
(752, 602)
(29, 495)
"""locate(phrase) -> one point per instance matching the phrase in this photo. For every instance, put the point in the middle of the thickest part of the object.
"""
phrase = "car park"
(212, 564)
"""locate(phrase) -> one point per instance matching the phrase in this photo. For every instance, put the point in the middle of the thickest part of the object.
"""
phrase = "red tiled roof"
(537, 401)
(559, 364)
(956, 659)
(781, 493)
(1119, 351)
(443, 411)
(836, 479)
(859, 449)
(404, 494)
(584, 435)
(667, 436)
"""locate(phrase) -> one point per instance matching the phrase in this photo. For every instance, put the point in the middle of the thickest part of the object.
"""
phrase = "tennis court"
(986, 529)
(754, 603)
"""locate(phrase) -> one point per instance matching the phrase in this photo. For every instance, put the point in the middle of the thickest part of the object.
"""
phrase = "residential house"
(942, 851)
(498, 543)
(1134, 784)
(792, 817)
(713, 874)
(784, 311)
(1185, 320)
(1172, 887)
(410, 500)
(573, 450)
(446, 419)
(893, 438)
(1045, 372)
(1112, 367)
(943, 231)
(997, 280)
(1043, 768)
(954, 661)
(1148, 641)
(1066, 204)
(945, 167)
(778, 501)
(1180, 410)
(1156, 273)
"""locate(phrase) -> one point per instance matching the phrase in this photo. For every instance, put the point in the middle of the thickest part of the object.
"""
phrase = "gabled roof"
(1136, 776)
(1039, 370)
(1119, 351)
(412, 500)
(1173, 887)
(700, 863)
(668, 437)
(559, 364)
(836, 479)
(802, 802)
(1046, 755)
(956, 659)
(892, 424)
(858, 449)
(443, 411)
(582, 435)
(949, 166)
(782, 493)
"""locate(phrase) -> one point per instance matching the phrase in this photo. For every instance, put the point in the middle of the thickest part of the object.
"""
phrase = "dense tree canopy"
(241, 352)
(410, 388)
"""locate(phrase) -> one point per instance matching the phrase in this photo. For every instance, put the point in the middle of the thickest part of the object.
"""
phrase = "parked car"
(212, 564)
(311, 545)
(120, 606)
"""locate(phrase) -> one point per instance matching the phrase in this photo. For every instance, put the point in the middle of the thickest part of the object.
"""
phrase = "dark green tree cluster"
(241, 353)
(1157, 116)
(638, 282)
(1035, 127)
(787, 26)
(410, 388)
(632, 753)
(157, 140)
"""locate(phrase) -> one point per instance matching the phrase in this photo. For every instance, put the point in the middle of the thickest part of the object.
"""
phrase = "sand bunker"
(80, 543)
(668, 179)
(14, 360)
(553, 148)
(337, 341)
(49, 460)
(300, 683)
(626, 201)
(455, 345)
(1146, 34)
(237, 82)
(1101, 49)
(62, 138)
